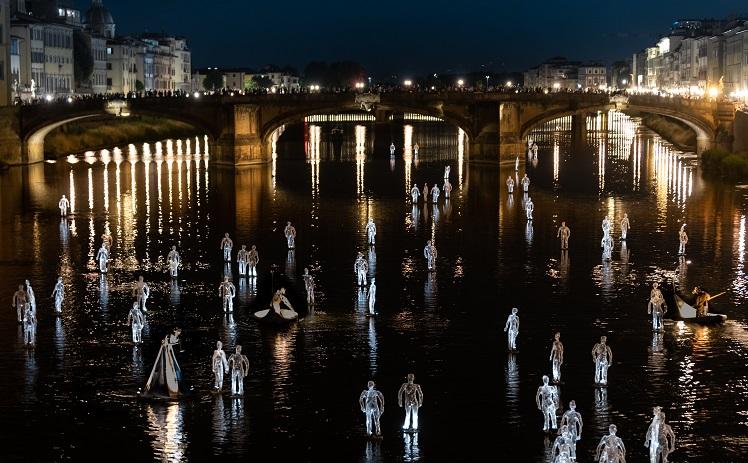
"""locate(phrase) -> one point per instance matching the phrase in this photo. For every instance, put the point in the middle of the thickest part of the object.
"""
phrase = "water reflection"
(166, 427)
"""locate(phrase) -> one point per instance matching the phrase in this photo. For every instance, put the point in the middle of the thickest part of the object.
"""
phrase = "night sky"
(410, 36)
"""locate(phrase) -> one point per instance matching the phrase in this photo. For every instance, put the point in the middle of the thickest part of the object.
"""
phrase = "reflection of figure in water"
(239, 366)
(58, 294)
(656, 307)
(360, 268)
(447, 189)
(414, 193)
(446, 172)
(625, 226)
(564, 453)
(510, 184)
(603, 358)
(174, 261)
(29, 326)
(429, 252)
(410, 396)
(547, 401)
(64, 205)
(102, 257)
(241, 259)
(136, 320)
(682, 239)
(142, 292)
(371, 402)
(564, 233)
(372, 296)
(529, 208)
(525, 183)
(253, 258)
(511, 328)
(557, 357)
(528, 232)
(309, 285)
(572, 419)
(426, 192)
(19, 302)
(290, 233)
(611, 448)
(371, 232)
(166, 375)
(106, 240)
(227, 291)
(226, 245)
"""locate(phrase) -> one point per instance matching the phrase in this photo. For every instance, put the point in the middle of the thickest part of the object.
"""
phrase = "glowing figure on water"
(446, 172)
(64, 205)
(416, 148)
(607, 245)
(19, 302)
(227, 291)
(660, 438)
(58, 294)
(447, 188)
(602, 356)
(547, 401)
(241, 259)
(371, 232)
(253, 258)
(625, 226)
(219, 365)
(239, 366)
(30, 297)
(682, 239)
(410, 396)
(562, 444)
(414, 193)
(106, 240)
(174, 260)
(529, 209)
(516, 164)
(435, 193)
(142, 292)
(510, 184)
(372, 296)
(29, 325)
(371, 402)
(429, 252)
(309, 286)
(511, 328)
(611, 448)
(572, 419)
(425, 192)
(564, 233)
(656, 307)
(136, 320)
(102, 257)
(563, 454)
(606, 226)
(525, 182)
(226, 245)
(557, 357)
(290, 233)
(392, 149)
(360, 269)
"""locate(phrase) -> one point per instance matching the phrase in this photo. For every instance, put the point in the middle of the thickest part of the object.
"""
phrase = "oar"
(717, 295)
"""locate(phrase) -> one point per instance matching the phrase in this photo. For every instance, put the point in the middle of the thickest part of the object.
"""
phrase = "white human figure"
(136, 320)
(435, 193)
(425, 192)
(372, 296)
(602, 356)
(29, 326)
(227, 291)
(682, 239)
(360, 269)
(564, 232)
(64, 205)
(625, 226)
(410, 396)
(102, 257)
(58, 294)
(447, 188)
(241, 259)
(564, 454)
(414, 193)
(525, 183)
(239, 366)
(447, 168)
(511, 328)
(606, 226)
(371, 402)
(557, 357)
(371, 231)
(547, 401)
(226, 245)
(309, 285)
(516, 164)
(572, 419)
(19, 302)
(174, 260)
(534, 150)
(142, 292)
(392, 149)
(667, 441)
(562, 444)
(429, 252)
(529, 209)
(219, 365)
(106, 240)
(253, 258)
(30, 297)
(416, 149)
(510, 184)
(656, 307)
(290, 233)
(652, 438)
(611, 448)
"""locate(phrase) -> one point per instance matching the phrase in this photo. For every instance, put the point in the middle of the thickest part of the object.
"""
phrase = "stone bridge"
(240, 127)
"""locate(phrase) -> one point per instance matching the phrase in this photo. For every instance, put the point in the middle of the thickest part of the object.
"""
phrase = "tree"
(139, 87)
(262, 81)
(213, 80)
(83, 62)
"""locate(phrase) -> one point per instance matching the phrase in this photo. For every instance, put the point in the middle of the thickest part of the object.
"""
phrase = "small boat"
(688, 314)
(276, 314)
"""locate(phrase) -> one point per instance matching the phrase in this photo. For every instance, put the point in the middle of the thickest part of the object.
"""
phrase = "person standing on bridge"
(510, 184)
(525, 183)
(64, 205)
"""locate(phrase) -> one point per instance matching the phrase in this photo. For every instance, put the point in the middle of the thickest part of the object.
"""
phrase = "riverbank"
(732, 167)
(677, 133)
(96, 134)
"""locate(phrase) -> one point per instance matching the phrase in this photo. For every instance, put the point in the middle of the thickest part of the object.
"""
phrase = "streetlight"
(369, 82)
(408, 83)
(487, 82)
(509, 83)
(460, 83)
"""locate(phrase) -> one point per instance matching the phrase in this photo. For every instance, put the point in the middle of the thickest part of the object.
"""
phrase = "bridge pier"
(11, 145)
(510, 140)
(240, 143)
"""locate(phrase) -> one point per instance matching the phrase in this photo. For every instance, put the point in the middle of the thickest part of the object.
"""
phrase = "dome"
(99, 20)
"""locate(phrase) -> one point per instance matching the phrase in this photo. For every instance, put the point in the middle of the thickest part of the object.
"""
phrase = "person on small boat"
(239, 366)
(241, 259)
(166, 375)
(371, 402)
(360, 268)
(547, 401)
(656, 306)
(136, 320)
(611, 448)
(290, 233)
(226, 245)
(174, 261)
(683, 239)
(603, 358)
(227, 291)
(371, 232)
(557, 357)
(219, 365)
(511, 328)
(564, 232)
(625, 226)
(510, 184)
(309, 285)
(280, 298)
(701, 302)
(415, 193)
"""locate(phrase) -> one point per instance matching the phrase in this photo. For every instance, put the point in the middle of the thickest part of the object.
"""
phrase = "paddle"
(717, 295)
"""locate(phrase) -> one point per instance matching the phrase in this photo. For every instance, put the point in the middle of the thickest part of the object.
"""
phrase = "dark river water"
(74, 397)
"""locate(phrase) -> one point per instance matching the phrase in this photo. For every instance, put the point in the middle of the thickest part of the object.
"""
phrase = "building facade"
(6, 96)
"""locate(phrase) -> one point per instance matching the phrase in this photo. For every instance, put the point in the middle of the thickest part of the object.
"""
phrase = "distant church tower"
(99, 21)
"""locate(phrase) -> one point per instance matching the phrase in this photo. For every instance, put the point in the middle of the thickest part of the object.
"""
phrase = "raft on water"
(687, 313)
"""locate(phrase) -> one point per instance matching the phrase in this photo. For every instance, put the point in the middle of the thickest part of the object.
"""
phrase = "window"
(108, 82)
(108, 50)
